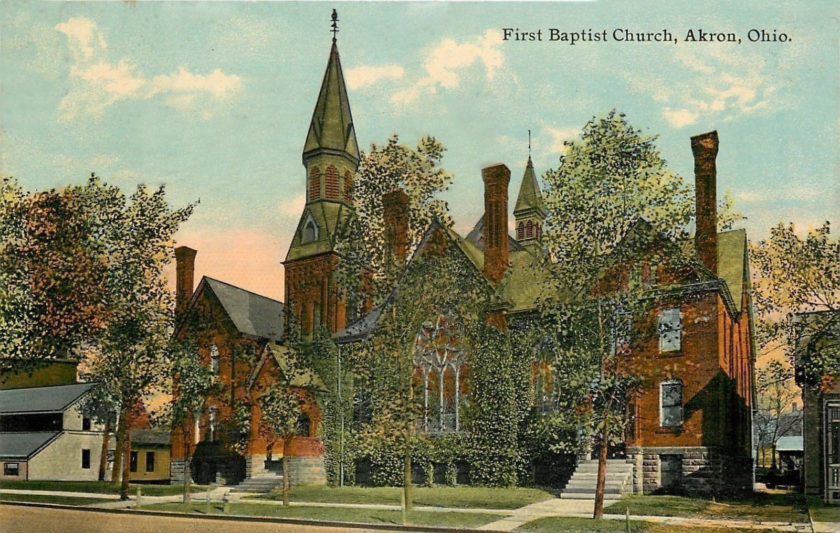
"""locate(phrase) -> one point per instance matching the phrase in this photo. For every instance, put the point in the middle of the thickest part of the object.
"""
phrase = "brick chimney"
(705, 149)
(496, 179)
(395, 213)
(184, 276)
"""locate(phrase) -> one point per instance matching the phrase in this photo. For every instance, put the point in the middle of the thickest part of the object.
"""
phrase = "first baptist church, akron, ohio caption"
(690, 427)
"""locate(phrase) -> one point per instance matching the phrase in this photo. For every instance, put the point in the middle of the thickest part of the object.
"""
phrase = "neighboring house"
(43, 434)
(819, 332)
(692, 423)
(149, 458)
(791, 452)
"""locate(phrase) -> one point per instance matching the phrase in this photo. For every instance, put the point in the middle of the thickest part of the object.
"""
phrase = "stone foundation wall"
(176, 470)
(307, 471)
(696, 471)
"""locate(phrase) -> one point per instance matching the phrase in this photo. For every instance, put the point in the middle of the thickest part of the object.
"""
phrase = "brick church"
(691, 426)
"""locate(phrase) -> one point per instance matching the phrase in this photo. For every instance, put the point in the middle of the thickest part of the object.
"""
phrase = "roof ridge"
(241, 289)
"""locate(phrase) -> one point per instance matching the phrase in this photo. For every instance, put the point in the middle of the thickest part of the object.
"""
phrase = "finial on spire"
(334, 25)
(529, 144)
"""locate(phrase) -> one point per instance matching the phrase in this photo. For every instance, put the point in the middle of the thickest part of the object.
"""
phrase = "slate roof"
(331, 219)
(251, 313)
(476, 238)
(331, 127)
(530, 197)
(149, 437)
(24, 445)
(53, 399)
(732, 262)
(306, 379)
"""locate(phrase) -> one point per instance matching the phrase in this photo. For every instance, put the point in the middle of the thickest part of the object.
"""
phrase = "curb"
(246, 518)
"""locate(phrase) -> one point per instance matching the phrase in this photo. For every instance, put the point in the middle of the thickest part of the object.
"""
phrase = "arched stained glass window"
(440, 359)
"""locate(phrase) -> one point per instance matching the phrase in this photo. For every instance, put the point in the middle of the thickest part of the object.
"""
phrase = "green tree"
(612, 203)
(193, 383)
(82, 272)
(794, 275)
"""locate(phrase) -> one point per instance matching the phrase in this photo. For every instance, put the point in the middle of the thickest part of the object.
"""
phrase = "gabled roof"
(23, 445)
(362, 328)
(250, 313)
(529, 197)
(732, 262)
(476, 237)
(306, 379)
(331, 128)
(331, 219)
(53, 399)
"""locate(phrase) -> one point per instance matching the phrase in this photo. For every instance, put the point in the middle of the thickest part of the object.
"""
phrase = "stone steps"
(618, 480)
(263, 482)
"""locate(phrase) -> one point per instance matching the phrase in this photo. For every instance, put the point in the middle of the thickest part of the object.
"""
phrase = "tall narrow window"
(520, 231)
(150, 461)
(529, 229)
(212, 419)
(670, 330)
(86, 459)
(302, 426)
(85, 424)
(310, 230)
(132, 462)
(214, 358)
(622, 327)
(671, 403)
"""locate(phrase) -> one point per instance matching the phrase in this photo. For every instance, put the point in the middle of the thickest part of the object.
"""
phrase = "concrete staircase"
(618, 481)
(262, 482)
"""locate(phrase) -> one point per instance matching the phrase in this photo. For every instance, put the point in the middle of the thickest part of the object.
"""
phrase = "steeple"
(529, 210)
(331, 128)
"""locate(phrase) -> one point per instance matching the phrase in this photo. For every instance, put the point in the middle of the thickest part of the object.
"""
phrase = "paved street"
(14, 519)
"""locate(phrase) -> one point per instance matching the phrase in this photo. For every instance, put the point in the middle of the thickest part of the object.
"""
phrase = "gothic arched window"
(440, 360)
(214, 358)
(529, 230)
(520, 231)
(310, 230)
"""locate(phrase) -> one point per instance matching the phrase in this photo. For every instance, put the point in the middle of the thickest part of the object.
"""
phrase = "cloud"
(443, 65)
(365, 75)
(99, 83)
(557, 136)
(679, 118)
(717, 84)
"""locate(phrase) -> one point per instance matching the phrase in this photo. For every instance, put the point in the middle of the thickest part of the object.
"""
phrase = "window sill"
(668, 355)
(673, 430)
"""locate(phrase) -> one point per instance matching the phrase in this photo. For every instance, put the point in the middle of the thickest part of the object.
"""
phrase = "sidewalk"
(511, 518)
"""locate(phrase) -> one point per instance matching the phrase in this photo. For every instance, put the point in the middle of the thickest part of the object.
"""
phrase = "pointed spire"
(331, 129)
(530, 197)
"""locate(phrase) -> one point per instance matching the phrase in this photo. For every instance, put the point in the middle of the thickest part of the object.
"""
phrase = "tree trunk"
(602, 470)
(126, 471)
(773, 456)
(126, 463)
(118, 450)
(187, 436)
(103, 456)
(286, 480)
(407, 478)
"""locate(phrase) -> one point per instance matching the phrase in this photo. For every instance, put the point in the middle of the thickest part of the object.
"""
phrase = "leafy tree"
(82, 271)
(193, 384)
(383, 169)
(795, 275)
(609, 198)
(775, 391)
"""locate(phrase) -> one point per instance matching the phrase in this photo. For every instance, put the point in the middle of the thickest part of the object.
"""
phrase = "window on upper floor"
(520, 231)
(529, 229)
(622, 329)
(671, 403)
(214, 359)
(670, 330)
(302, 426)
(85, 424)
(440, 359)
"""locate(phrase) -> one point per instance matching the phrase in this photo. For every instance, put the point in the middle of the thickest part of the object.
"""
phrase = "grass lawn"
(368, 516)
(102, 487)
(822, 512)
(455, 497)
(556, 523)
(46, 498)
(759, 506)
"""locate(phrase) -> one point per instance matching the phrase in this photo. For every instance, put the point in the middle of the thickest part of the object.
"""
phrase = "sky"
(213, 100)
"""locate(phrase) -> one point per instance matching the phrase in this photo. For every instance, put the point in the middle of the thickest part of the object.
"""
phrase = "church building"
(690, 426)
